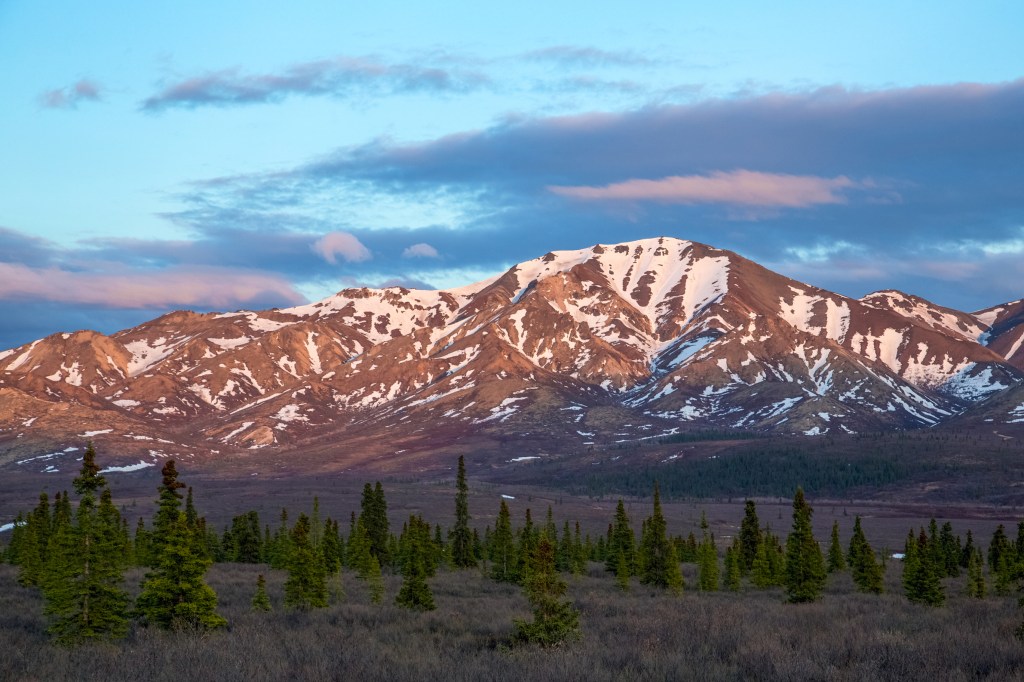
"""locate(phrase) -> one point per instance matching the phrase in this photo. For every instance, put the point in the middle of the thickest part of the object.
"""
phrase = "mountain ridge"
(606, 344)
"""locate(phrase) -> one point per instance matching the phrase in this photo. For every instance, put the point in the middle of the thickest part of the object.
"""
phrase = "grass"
(640, 635)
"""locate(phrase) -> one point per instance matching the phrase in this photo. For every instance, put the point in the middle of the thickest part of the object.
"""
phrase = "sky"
(248, 154)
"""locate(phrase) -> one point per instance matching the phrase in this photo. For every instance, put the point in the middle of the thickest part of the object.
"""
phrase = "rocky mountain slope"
(606, 344)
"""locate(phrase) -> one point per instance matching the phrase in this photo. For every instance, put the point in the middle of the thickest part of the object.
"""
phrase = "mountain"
(613, 343)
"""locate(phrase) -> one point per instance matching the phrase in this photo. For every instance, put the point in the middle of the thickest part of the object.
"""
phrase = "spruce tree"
(415, 593)
(82, 580)
(750, 536)
(921, 581)
(306, 585)
(732, 568)
(867, 573)
(175, 594)
(375, 581)
(950, 549)
(503, 555)
(976, 576)
(805, 567)
(660, 565)
(358, 554)
(997, 548)
(967, 551)
(761, 574)
(461, 537)
(554, 620)
(707, 559)
(260, 599)
(375, 520)
(836, 561)
(621, 540)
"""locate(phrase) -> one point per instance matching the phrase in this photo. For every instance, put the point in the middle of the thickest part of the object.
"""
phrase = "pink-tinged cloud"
(335, 244)
(121, 288)
(739, 187)
(70, 96)
(420, 251)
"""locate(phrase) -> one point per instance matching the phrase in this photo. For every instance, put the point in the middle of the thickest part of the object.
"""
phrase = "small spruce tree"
(868, 574)
(306, 585)
(554, 620)
(260, 599)
(660, 565)
(415, 592)
(836, 560)
(976, 576)
(732, 568)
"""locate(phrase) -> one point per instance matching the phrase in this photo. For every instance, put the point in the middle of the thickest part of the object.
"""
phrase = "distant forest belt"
(863, 466)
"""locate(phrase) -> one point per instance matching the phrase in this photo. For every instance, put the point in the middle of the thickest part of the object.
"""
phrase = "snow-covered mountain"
(610, 343)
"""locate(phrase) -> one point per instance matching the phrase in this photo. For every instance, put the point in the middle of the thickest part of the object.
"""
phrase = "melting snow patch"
(508, 497)
(128, 467)
(90, 434)
(40, 457)
(127, 403)
(237, 431)
(524, 459)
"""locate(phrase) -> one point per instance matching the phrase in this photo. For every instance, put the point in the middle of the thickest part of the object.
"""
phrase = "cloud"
(343, 244)
(69, 97)
(744, 187)
(586, 56)
(340, 77)
(119, 287)
(420, 251)
(915, 171)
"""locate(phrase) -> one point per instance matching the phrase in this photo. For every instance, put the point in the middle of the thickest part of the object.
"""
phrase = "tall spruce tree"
(306, 585)
(660, 565)
(805, 567)
(82, 579)
(503, 555)
(554, 620)
(461, 536)
(374, 517)
(175, 594)
(750, 536)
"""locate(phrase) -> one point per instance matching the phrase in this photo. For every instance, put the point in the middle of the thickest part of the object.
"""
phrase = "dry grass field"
(639, 635)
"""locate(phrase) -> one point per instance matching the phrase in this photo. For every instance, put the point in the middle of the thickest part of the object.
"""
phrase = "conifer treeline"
(76, 556)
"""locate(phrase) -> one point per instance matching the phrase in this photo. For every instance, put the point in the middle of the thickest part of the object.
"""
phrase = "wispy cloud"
(587, 56)
(742, 187)
(340, 77)
(70, 96)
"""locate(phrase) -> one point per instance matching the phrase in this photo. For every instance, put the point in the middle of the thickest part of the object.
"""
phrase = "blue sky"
(252, 154)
